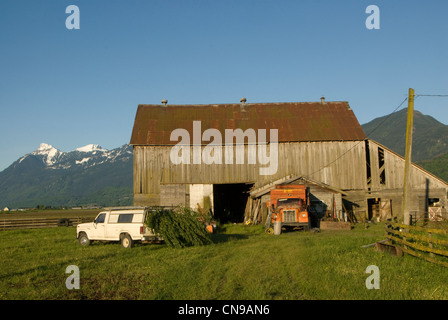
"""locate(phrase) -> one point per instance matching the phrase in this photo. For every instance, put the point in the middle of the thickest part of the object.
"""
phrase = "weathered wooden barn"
(193, 155)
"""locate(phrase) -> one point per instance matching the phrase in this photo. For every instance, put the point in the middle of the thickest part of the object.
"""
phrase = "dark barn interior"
(230, 201)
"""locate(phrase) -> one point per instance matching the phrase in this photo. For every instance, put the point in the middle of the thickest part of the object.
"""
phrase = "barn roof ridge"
(295, 121)
(239, 104)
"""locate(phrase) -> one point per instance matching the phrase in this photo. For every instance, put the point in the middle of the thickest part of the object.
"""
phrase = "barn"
(227, 157)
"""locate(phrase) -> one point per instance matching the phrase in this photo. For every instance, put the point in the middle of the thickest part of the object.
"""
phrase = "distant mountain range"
(89, 175)
(92, 175)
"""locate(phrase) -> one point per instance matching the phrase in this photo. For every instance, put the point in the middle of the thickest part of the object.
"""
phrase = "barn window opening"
(381, 166)
(373, 208)
(229, 201)
(369, 170)
(433, 201)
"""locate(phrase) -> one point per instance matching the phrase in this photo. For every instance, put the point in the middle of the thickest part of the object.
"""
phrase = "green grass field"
(242, 263)
(53, 213)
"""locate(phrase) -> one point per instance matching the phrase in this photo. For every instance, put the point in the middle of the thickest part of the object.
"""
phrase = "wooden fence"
(36, 223)
(426, 243)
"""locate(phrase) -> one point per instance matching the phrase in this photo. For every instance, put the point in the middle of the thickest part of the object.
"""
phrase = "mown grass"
(242, 263)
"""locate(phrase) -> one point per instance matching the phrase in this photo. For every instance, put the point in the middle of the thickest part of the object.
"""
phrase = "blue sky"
(70, 88)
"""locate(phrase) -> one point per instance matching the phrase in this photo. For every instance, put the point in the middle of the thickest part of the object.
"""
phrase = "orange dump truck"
(288, 207)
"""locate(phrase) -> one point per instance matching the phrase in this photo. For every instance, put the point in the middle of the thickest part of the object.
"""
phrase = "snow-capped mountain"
(86, 156)
(49, 152)
(87, 175)
(90, 148)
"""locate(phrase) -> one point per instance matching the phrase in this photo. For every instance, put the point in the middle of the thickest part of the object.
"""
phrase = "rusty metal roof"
(295, 121)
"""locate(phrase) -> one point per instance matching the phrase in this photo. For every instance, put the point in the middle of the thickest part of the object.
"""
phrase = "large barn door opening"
(230, 201)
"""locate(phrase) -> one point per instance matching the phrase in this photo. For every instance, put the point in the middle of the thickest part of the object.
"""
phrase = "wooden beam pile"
(252, 213)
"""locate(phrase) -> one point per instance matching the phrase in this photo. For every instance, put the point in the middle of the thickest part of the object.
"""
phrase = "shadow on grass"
(236, 231)
(220, 238)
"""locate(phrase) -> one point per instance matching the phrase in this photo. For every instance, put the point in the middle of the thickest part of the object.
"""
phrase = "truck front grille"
(289, 216)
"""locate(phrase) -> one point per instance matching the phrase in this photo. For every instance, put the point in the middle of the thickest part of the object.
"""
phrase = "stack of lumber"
(252, 213)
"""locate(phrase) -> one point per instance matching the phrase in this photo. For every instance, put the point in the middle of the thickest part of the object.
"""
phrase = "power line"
(374, 129)
(431, 95)
(330, 163)
(385, 119)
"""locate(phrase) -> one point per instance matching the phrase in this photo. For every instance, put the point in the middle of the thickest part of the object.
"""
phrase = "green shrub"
(179, 227)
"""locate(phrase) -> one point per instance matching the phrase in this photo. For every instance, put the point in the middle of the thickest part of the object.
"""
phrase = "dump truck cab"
(288, 206)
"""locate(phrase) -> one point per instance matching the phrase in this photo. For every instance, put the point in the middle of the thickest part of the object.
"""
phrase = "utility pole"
(407, 186)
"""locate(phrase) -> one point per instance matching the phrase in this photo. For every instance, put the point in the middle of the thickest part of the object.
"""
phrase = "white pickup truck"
(125, 224)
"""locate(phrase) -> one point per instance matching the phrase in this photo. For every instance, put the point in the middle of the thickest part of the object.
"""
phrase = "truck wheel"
(126, 241)
(83, 239)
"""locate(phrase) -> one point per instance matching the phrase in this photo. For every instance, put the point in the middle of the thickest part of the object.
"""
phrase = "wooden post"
(430, 244)
(256, 209)
(407, 185)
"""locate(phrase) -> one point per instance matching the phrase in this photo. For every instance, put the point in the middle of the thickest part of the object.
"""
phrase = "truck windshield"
(100, 218)
(291, 202)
